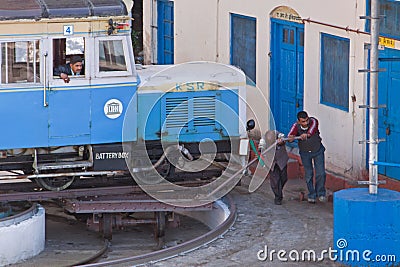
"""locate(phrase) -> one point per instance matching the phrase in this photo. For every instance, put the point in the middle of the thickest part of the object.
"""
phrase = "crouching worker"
(278, 172)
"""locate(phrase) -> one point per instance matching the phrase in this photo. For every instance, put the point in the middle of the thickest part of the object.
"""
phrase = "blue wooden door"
(243, 45)
(388, 119)
(165, 32)
(287, 72)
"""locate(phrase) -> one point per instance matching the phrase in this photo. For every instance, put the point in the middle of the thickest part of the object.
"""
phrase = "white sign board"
(68, 29)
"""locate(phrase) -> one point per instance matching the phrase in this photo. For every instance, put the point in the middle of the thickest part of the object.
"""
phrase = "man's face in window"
(77, 67)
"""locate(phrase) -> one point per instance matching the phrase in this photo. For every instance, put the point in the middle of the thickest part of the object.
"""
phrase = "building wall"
(341, 131)
(149, 33)
(202, 32)
(196, 31)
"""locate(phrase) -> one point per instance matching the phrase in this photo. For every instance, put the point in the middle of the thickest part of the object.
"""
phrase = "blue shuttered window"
(389, 24)
(335, 56)
(243, 44)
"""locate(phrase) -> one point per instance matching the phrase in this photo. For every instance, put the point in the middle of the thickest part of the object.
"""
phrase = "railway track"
(29, 192)
(107, 202)
(219, 220)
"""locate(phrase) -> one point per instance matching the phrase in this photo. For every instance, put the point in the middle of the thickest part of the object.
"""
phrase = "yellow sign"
(387, 42)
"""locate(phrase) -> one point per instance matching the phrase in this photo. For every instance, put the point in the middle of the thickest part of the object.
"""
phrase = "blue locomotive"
(56, 129)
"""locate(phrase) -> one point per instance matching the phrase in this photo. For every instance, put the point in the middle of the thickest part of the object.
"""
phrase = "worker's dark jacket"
(311, 144)
(66, 69)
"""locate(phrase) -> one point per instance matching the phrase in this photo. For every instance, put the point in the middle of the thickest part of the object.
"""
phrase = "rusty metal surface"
(113, 191)
(72, 193)
(127, 203)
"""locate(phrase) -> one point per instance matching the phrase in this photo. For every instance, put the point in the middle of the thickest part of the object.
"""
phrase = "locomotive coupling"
(185, 152)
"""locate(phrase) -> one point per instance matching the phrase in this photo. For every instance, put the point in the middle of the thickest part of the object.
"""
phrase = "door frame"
(275, 99)
(386, 56)
(162, 38)
(69, 121)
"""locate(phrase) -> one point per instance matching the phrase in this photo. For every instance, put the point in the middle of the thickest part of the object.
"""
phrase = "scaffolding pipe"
(373, 102)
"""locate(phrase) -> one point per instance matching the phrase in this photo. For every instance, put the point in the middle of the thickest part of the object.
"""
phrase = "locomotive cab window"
(20, 62)
(112, 57)
(68, 53)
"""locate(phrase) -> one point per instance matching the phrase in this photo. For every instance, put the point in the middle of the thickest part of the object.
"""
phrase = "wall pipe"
(335, 26)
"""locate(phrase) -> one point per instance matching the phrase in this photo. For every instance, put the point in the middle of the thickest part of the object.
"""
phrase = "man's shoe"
(311, 200)
(278, 201)
(322, 199)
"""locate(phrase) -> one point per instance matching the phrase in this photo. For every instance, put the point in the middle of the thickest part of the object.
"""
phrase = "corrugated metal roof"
(37, 9)
(10, 9)
(107, 7)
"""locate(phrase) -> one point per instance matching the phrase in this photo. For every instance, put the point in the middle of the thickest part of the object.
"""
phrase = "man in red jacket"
(311, 150)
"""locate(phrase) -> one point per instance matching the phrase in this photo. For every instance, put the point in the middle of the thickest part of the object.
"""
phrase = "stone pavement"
(296, 227)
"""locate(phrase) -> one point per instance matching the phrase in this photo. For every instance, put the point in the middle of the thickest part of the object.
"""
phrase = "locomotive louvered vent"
(176, 111)
(204, 111)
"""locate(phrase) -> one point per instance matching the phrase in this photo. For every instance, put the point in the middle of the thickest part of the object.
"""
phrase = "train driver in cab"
(73, 68)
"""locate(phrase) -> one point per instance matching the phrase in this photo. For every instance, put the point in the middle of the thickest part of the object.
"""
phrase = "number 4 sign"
(68, 30)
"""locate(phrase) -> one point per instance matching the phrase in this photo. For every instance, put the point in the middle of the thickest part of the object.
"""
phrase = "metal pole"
(373, 102)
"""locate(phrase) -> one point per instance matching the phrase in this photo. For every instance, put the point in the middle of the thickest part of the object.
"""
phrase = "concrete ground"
(296, 227)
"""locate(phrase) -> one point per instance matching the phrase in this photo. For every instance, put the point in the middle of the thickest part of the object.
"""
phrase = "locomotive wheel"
(107, 226)
(55, 184)
(159, 230)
